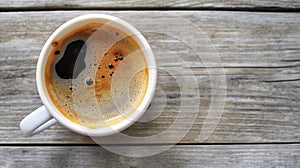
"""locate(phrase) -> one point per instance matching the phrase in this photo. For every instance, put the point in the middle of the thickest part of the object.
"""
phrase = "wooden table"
(258, 42)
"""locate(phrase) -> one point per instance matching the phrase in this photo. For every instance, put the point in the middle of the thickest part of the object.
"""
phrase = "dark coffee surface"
(96, 73)
(74, 54)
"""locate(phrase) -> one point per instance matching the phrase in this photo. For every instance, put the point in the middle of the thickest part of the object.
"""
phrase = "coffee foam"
(105, 100)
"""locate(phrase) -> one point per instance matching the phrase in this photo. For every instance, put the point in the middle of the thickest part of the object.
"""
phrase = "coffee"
(96, 75)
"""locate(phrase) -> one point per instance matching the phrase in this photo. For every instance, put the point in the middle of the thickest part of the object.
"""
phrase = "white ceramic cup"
(48, 115)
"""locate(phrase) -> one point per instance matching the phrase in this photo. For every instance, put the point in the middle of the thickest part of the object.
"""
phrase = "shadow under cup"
(114, 66)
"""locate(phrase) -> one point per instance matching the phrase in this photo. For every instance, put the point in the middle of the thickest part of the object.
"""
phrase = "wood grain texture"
(118, 4)
(178, 156)
(260, 54)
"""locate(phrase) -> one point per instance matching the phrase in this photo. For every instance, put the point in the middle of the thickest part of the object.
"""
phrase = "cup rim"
(43, 58)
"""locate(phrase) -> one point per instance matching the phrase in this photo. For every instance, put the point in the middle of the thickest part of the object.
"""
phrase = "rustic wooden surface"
(178, 156)
(260, 126)
(259, 51)
(116, 4)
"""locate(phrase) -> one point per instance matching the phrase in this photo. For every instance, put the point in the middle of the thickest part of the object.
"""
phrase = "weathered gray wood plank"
(260, 52)
(44, 4)
(178, 156)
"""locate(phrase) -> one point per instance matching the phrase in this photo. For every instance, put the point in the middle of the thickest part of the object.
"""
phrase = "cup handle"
(37, 121)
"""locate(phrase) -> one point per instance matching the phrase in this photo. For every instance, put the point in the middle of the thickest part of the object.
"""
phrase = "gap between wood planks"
(178, 144)
(72, 8)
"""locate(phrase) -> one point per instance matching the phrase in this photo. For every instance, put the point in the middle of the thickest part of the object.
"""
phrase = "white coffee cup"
(48, 115)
